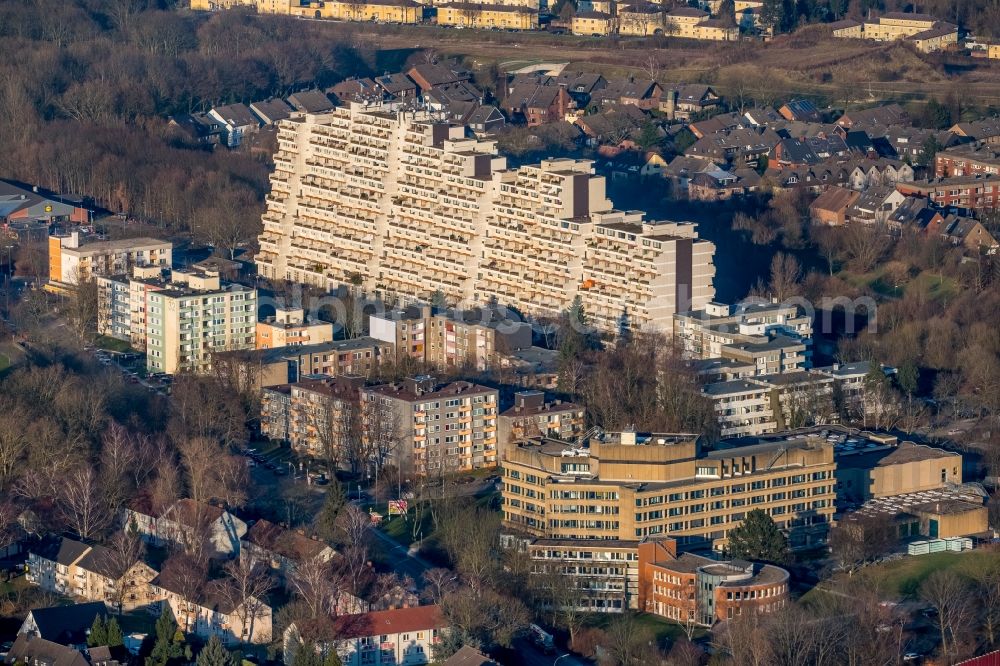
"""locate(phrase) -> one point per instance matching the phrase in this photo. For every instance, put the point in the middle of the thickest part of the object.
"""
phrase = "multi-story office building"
(629, 486)
(773, 337)
(441, 429)
(404, 205)
(690, 588)
(290, 327)
(71, 260)
(179, 323)
(534, 416)
(582, 511)
(473, 338)
(313, 415)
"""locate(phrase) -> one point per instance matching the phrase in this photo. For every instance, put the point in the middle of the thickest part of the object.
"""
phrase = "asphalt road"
(526, 654)
(403, 562)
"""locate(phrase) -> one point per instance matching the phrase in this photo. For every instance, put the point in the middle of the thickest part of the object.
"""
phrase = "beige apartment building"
(403, 205)
(441, 429)
(448, 339)
(71, 260)
(924, 31)
(480, 15)
(770, 403)
(290, 327)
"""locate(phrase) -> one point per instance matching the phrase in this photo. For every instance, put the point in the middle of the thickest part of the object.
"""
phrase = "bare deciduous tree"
(245, 588)
(82, 505)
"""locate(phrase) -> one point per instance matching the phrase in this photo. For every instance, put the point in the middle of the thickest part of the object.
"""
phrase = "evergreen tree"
(306, 655)
(169, 640)
(772, 14)
(113, 635)
(98, 632)
(727, 13)
(214, 654)
(758, 538)
(326, 519)
(332, 659)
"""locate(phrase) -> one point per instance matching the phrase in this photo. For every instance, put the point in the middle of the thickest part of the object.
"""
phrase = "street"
(403, 562)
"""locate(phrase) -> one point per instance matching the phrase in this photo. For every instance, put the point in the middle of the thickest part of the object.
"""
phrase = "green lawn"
(903, 577)
(659, 628)
(112, 344)
(933, 286)
(4, 361)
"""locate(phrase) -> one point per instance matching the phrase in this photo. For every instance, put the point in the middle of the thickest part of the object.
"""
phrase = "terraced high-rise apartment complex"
(399, 203)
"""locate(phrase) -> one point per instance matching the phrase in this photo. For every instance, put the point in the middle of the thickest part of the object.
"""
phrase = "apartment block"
(312, 415)
(290, 327)
(286, 365)
(978, 192)
(774, 337)
(405, 206)
(71, 260)
(178, 322)
(629, 486)
(968, 159)
(925, 32)
(769, 403)
(73, 568)
(442, 429)
(473, 339)
(534, 416)
(481, 15)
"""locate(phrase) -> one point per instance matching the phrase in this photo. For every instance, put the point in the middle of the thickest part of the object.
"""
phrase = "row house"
(538, 104)
(980, 192)
(90, 572)
(876, 205)
(718, 184)
(744, 146)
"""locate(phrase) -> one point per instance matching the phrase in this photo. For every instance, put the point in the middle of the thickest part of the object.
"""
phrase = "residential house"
(689, 100)
(433, 75)
(34, 651)
(469, 656)
(198, 128)
(721, 123)
(986, 130)
(281, 549)
(742, 146)
(682, 168)
(271, 111)
(538, 104)
(580, 85)
(210, 613)
(612, 127)
(310, 101)
(397, 86)
(63, 625)
(880, 116)
(484, 119)
(876, 205)
(642, 93)
(446, 338)
(654, 165)
(800, 109)
(970, 234)
(237, 120)
(397, 637)
(831, 207)
(357, 89)
(188, 524)
(719, 184)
